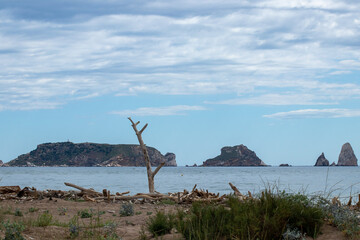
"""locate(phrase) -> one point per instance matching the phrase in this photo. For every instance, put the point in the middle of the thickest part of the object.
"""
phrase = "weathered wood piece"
(151, 174)
(9, 189)
(236, 191)
(90, 192)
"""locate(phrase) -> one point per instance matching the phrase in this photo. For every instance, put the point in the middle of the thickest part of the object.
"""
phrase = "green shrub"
(204, 222)
(18, 213)
(161, 223)
(13, 230)
(33, 209)
(266, 217)
(85, 213)
(126, 210)
(44, 220)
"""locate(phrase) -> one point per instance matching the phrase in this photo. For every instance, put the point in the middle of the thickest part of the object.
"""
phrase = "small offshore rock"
(284, 165)
(321, 161)
(347, 156)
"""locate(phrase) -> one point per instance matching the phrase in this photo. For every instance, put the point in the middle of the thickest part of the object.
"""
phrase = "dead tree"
(150, 173)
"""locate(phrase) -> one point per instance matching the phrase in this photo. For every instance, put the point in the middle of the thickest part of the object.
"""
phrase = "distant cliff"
(89, 155)
(238, 155)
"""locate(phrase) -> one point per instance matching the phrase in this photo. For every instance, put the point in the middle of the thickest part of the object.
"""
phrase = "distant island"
(346, 158)
(238, 155)
(68, 154)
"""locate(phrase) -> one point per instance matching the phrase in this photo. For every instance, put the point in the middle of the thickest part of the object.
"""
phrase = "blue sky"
(281, 77)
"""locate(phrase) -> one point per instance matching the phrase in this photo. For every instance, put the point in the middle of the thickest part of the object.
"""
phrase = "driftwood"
(236, 191)
(89, 192)
(184, 197)
(9, 189)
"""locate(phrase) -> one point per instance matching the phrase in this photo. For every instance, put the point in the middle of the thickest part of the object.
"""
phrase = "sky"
(281, 77)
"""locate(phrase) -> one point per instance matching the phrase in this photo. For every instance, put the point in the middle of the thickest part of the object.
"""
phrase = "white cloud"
(277, 99)
(316, 113)
(159, 111)
(250, 48)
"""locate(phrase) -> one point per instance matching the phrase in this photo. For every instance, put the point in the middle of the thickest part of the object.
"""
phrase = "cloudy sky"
(281, 77)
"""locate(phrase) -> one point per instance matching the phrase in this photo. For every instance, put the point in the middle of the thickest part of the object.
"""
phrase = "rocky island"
(238, 155)
(322, 161)
(346, 158)
(90, 155)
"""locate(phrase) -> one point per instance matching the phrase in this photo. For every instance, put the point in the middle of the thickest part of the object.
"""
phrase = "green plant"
(161, 223)
(74, 230)
(62, 210)
(18, 213)
(13, 230)
(204, 222)
(85, 213)
(74, 227)
(43, 219)
(126, 210)
(33, 209)
(343, 218)
(293, 234)
(138, 213)
(148, 213)
(268, 216)
(110, 231)
(142, 234)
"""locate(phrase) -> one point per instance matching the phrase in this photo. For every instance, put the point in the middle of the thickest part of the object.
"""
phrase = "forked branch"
(150, 173)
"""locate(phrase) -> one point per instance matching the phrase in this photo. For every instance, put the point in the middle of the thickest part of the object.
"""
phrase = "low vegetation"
(126, 210)
(268, 216)
(161, 223)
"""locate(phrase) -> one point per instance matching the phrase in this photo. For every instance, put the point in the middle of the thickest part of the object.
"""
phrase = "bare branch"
(158, 168)
(143, 128)
(131, 121)
(137, 123)
(237, 192)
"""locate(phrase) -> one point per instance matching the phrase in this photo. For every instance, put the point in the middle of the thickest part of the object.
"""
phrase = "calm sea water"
(341, 181)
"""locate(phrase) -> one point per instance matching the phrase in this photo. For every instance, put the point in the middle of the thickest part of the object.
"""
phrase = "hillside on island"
(90, 155)
(238, 155)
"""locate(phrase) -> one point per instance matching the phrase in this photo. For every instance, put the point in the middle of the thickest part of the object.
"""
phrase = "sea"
(341, 182)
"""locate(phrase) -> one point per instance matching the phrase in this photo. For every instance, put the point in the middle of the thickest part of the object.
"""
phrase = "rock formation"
(347, 156)
(238, 155)
(284, 165)
(321, 161)
(333, 164)
(91, 154)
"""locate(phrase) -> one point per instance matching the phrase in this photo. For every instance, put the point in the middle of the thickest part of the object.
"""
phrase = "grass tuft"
(161, 223)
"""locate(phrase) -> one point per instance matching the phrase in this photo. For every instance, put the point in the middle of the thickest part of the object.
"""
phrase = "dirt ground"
(130, 227)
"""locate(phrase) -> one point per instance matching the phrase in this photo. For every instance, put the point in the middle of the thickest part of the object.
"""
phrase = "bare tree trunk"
(150, 173)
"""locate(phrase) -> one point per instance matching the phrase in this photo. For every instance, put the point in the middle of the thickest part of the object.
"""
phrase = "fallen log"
(86, 198)
(84, 190)
(9, 189)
